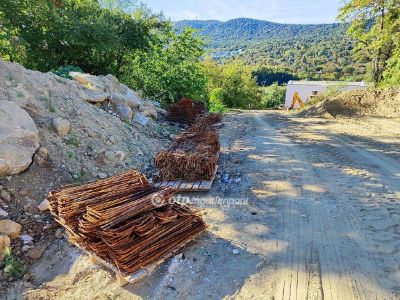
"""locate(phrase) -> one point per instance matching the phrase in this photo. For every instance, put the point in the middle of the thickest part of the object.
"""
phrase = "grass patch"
(78, 177)
(10, 77)
(89, 86)
(49, 105)
(52, 108)
(12, 266)
(71, 154)
(20, 94)
(73, 140)
(128, 126)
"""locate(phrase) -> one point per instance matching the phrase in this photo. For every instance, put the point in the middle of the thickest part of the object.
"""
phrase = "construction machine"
(296, 98)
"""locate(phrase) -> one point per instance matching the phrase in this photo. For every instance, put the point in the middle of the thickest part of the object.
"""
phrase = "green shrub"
(391, 76)
(216, 103)
(64, 71)
(12, 266)
(237, 86)
(273, 96)
(73, 140)
(72, 32)
(71, 154)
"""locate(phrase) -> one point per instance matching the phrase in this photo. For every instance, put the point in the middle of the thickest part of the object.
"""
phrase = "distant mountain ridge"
(244, 30)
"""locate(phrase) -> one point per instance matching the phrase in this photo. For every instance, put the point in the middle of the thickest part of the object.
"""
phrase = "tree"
(127, 6)
(80, 33)
(170, 69)
(391, 76)
(273, 96)
(373, 27)
(267, 75)
(236, 83)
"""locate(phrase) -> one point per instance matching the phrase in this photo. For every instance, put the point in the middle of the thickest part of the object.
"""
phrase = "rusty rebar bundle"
(125, 220)
(191, 156)
(205, 122)
(199, 141)
(185, 111)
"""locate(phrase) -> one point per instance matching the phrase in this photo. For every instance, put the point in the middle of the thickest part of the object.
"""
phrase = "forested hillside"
(239, 32)
(312, 51)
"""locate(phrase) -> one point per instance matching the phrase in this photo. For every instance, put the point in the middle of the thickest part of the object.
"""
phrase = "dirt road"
(321, 221)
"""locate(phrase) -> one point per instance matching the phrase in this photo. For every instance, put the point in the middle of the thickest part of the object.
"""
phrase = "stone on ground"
(62, 126)
(3, 213)
(11, 228)
(44, 205)
(141, 119)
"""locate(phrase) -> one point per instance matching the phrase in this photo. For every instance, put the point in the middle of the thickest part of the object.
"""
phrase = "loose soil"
(358, 103)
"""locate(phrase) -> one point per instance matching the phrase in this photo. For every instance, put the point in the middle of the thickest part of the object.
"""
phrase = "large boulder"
(93, 97)
(101, 88)
(91, 82)
(125, 112)
(19, 139)
(148, 110)
(128, 99)
(133, 99)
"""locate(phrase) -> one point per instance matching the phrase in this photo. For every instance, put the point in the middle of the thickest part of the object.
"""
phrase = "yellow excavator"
(296, 98)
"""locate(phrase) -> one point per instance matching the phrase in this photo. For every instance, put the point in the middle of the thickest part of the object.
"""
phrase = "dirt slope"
(321, 220)
(357, 103)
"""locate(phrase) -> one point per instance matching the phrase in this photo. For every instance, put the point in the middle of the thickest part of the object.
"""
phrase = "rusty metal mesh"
(205, 122)
(191, 156)
(117, 219)
(185, 111)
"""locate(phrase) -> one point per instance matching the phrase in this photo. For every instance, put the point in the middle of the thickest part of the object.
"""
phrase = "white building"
(309, 89)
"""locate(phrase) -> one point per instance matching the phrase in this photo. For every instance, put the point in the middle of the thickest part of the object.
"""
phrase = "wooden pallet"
(189, 186)
(130, 279)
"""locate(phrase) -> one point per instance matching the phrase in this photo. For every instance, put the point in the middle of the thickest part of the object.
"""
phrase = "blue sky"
(281, 11)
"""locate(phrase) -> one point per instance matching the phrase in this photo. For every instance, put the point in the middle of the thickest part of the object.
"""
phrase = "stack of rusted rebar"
(125, 220)
(193, 154)
(185, 111)
(205, 122)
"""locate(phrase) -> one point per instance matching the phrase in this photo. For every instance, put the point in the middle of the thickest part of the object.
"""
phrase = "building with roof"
(309, 89)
